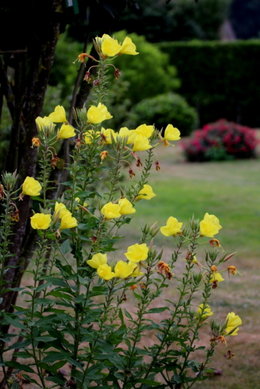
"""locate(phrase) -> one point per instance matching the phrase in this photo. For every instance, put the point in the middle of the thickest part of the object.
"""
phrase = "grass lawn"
(231, 191)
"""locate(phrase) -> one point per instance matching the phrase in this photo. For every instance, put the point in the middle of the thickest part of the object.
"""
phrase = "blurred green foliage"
(148, 73)
(219, 79)
(162, 110)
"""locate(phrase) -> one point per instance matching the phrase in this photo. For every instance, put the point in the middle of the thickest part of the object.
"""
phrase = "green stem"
(103, 319)
(40, 255)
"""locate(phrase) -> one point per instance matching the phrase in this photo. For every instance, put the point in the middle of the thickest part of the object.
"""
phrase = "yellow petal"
(58, 115)
(128, 47)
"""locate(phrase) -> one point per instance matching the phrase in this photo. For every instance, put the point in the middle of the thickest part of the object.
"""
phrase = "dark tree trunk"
(24, 94)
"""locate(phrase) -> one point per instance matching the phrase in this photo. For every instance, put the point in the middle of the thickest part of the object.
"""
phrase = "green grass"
(231, 191)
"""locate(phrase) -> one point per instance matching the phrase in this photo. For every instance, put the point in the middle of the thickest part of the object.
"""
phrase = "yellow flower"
(145, 130)
(141, 143)
(31, 187)
(128, 47)
(97, 260)
(96, 114)
(59, 210)
(108, 135)
(40, 221)
(137, 252)
(58, 115)
(104, 271)
(233, 321)
(124, 269)
(124, 132)
(126, 208)
(206, 311)
(109, 46)
(171, 133)
(146, 193)
(209, 226)
(66, 131)
(172, 227)
(43, 123)
(111, 211)
(216, 277)
(67, 220)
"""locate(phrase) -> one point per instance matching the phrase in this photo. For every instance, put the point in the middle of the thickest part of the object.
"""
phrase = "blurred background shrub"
(221, 140)
(219, 79)
(163, 109)
(149, 73)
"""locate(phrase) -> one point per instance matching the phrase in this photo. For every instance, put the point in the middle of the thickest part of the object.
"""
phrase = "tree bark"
(30, 69)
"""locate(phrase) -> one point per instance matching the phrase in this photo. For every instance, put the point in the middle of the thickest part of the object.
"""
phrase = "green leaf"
(157, 310)
(65, 247)
(45, 338)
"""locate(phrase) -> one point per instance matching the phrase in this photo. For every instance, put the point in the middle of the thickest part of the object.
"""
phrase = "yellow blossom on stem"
(105, 272)
(124, 132)
(40, 221)
(59, 210)
(43, 123)
(58, 115)
(67, 221)
(233, 321)
(172, 227)
(210, 225)
(146, 193)
(206, 311)
(97, 114)
(128, 47)
(109, 46)
(111, 211)
(124, 269)
(137, 252)
(31, 187)
(97, 260)
(171, 133)
(141, 143)
(145, 130)
(126, 208)
(108, 135)
(66, 131)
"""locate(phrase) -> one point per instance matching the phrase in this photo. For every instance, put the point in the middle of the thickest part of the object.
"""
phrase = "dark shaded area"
(245, 18)
(220, 79)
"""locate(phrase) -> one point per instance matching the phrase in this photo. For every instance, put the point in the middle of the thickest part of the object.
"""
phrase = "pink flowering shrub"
(221, 140)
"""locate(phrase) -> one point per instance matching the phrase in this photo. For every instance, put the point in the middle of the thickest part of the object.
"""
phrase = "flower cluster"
(221, 140)
(76, 299)
(135, 254)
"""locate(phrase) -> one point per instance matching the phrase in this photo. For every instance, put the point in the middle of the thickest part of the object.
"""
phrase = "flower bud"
(103, 155)
(87, 77)
(9, 180)
(96, 82)
(36, 142)
(157, 166)
(117, 74)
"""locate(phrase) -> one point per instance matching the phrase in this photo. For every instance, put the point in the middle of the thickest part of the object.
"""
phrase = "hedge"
(220, 79)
